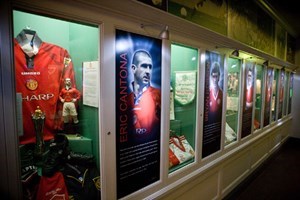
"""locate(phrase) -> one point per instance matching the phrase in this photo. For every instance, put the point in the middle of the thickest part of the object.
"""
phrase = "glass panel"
(233, 96)
(280, 41)
(57, 88)
(290, 93)
(281, 93)
(274, 95)
(184, 68)
(240, 22)
(210, 14)
(258, 97)
(286, 93)
(291, 48)
(248, 99)
(268, 96)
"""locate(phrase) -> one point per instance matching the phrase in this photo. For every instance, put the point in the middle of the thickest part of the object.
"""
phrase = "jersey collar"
(30, 46)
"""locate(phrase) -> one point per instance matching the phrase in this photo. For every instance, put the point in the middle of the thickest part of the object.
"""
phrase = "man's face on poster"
(249, 78)
(143, 70)
(215, 77)
(269, 81)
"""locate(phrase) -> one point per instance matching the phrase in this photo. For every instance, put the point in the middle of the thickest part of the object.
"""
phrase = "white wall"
(296, 99)
(296, 107)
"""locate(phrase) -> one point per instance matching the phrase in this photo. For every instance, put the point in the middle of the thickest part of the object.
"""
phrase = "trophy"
(38, 118)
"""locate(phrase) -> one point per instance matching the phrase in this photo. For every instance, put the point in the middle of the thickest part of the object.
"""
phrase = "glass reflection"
(258, 97)
(233, 95)
(184, 64)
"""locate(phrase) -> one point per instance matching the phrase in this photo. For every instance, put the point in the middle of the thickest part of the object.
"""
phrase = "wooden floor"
(277, 179)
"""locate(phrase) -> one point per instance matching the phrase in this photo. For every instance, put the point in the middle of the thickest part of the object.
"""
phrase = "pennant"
(185, 86)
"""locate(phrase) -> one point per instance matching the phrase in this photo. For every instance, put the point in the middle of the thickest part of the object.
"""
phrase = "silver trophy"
(38, 118)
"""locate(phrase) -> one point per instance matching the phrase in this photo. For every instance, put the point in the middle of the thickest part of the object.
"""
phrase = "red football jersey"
(52, 188)
(145, 111)
(249, 95)
(40, 85)
(69, 95)
(215, 103)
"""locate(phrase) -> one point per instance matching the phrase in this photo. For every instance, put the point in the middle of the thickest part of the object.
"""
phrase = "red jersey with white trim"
(70, 94)
(146, 112)
(215, 103)
(53, 187)
(281, 94)
(249, 95)
(215, 106)
(40, 85)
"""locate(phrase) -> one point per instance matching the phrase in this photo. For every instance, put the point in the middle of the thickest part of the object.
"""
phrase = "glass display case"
(258, 97)
(183, 96)
(57, 85)
(232, 101)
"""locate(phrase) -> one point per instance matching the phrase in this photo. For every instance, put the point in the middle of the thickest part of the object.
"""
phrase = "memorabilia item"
(29, 172)
(172, 109)
(180, 150)
(53, 187)
(90, 83)
(185, 86)
(38, 118)
(40, 68)
(230, 134)
(82, 180)
(56, 155)
(69, 97)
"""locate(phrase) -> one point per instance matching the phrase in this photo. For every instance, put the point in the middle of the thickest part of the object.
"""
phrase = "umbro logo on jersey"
(30, 73)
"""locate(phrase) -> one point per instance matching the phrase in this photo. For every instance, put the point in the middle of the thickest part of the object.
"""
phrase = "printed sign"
(268, 96)
(213, 103)
(138, 107)
(248, 99)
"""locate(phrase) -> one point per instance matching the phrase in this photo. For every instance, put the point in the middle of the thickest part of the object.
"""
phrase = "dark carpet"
(278, 178)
